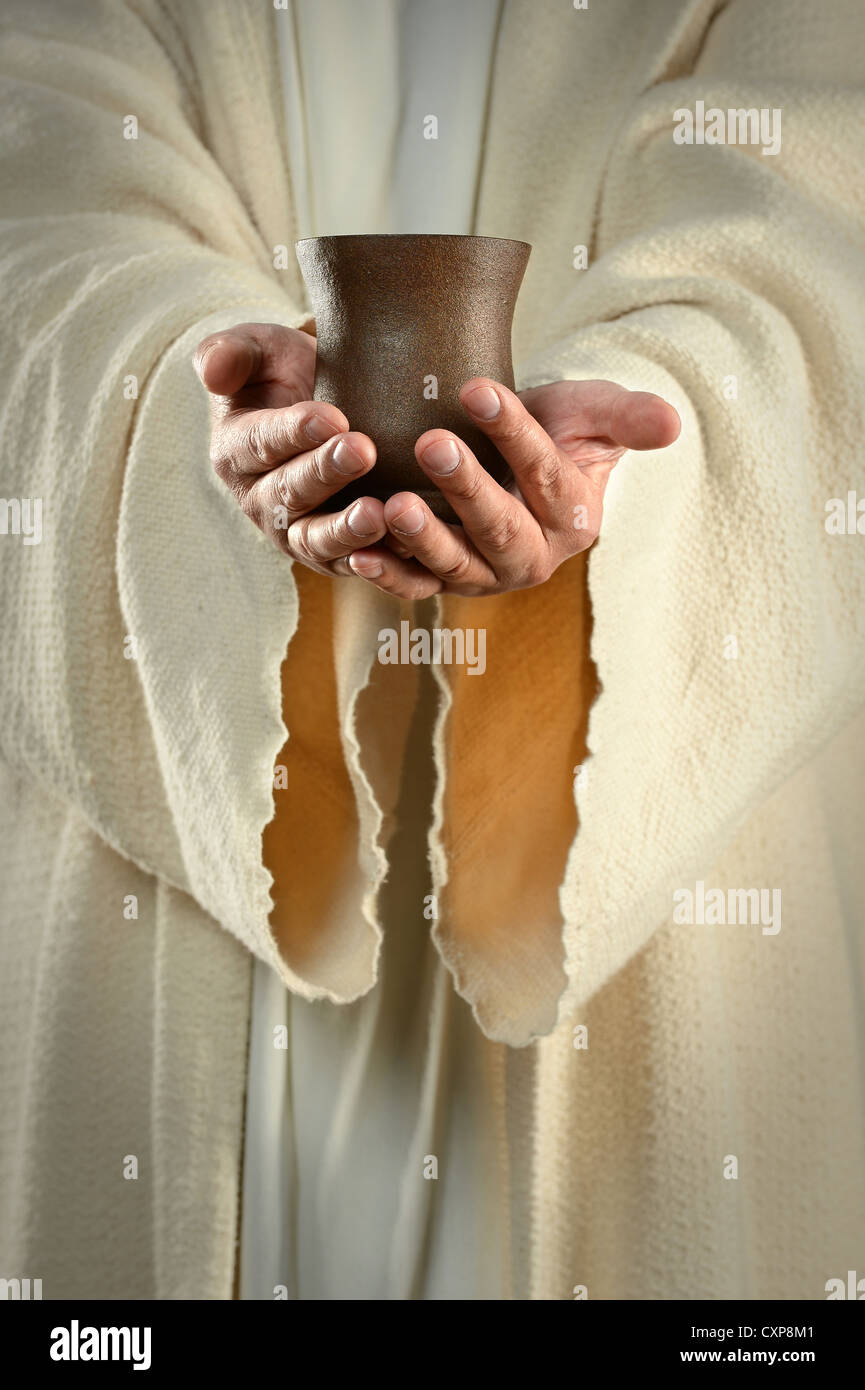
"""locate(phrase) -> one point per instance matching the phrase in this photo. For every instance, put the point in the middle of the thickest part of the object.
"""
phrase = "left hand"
(561, 441)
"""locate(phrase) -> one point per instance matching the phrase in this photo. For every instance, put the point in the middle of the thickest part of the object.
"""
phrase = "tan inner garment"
(514, 736)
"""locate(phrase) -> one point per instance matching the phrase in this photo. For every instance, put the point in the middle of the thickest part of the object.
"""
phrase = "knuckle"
(321, 467)
(469, 487)
(295, 485)
(335, 533)
(297, 542)
(514, 434)
(502, 530)
(544, 473)
(457, 571)
(258, 443)
(284, 483)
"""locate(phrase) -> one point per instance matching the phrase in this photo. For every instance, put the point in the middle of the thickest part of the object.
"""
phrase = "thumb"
(250, 353)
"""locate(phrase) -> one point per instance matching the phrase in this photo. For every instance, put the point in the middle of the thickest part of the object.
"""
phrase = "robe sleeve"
(145, 629)
(727, 611)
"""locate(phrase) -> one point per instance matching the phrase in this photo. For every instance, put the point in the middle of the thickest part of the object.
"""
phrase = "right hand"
(281, 453)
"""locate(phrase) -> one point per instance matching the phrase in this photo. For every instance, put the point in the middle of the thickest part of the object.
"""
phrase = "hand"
(562, 442)
(281, 453)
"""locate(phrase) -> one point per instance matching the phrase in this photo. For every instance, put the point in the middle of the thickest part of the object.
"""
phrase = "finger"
(250, 353)
(309, 480)
(642, 420)
(605, 410)
(501, 528)
(543, 474)
(254, 441)
(333, 535)
(442, 549)
(387, 572)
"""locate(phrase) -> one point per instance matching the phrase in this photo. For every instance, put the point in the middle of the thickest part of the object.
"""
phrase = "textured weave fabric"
(149, 773)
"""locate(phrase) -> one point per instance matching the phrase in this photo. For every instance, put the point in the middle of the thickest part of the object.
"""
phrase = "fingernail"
(443, 456)
(318, 429)
(346, 459)
(410, 521)
(359, 522)
(366, 566)
(483, 402)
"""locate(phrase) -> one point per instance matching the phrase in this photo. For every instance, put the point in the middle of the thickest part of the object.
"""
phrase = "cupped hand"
(561, 442)
(282, 454)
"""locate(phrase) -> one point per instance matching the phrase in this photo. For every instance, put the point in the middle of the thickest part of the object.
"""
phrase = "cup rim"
(413, 236)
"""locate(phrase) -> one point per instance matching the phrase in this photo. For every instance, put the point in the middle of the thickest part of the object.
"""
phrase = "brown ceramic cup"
(402, 322)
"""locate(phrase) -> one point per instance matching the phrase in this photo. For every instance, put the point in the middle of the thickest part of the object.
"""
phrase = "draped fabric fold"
(147, 691)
